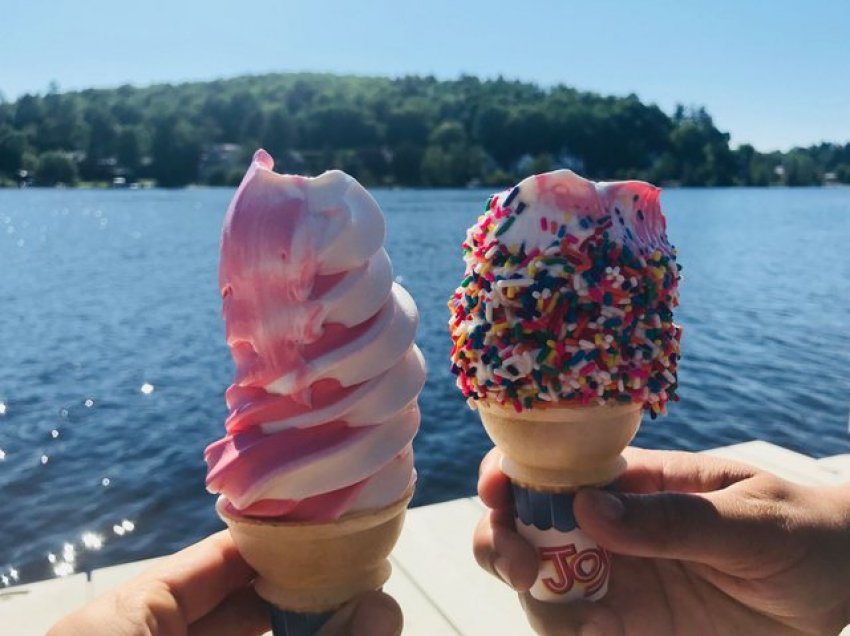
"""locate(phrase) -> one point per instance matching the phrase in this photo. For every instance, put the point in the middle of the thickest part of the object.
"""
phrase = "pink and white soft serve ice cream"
(323, 406)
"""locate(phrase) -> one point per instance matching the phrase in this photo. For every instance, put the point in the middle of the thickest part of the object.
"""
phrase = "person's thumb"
(371, 614)
(707, 528)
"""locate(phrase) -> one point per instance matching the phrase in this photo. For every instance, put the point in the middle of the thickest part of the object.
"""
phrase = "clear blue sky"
(774, 73)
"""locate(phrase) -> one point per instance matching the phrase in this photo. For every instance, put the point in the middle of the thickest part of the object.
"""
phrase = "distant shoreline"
(414, 131)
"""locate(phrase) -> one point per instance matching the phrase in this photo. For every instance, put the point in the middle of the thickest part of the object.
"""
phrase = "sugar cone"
(558, 448)
(317, 567)
(548, 453)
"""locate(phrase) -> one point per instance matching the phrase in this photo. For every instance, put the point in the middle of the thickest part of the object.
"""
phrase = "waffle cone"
(561, 447)
(316, 567)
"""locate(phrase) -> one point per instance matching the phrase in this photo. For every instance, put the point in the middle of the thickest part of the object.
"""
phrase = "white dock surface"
(435, 578)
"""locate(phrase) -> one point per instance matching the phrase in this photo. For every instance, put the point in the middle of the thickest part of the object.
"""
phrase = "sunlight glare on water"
(92, 540)
(66, 562)
(63, 568)
(124, 527)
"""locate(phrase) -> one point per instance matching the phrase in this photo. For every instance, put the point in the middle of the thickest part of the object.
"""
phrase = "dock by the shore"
(435, 578)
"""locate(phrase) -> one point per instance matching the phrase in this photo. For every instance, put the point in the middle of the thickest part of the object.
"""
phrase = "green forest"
(409, 131)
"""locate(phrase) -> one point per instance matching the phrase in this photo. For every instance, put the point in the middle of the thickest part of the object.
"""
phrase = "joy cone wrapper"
(549, 453)
(308, 570)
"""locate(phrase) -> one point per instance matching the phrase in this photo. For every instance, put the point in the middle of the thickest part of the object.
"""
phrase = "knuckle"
(772, 488)
(773, 501)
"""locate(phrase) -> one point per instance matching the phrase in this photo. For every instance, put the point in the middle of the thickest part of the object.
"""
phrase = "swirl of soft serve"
(323, 406)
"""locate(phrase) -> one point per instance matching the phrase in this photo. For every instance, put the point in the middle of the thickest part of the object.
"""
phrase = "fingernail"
(503, 568)
(607, 505)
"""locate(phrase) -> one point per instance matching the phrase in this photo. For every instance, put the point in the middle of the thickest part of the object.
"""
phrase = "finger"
(579, 618)
(203, 575)
(718, 529)
(499, 550)
(371, 614)
(494, 487)
(657, 471)
(243, 613)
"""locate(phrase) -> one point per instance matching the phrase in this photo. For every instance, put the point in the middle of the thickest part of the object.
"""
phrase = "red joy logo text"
(589, 567)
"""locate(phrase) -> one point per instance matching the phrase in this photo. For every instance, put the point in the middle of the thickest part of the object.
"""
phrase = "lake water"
(113, 363)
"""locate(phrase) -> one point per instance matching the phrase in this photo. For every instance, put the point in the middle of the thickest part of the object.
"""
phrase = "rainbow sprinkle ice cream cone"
(563, 334)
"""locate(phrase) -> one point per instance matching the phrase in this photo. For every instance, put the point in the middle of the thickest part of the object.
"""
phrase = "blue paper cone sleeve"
(572, 566)
(286, 623)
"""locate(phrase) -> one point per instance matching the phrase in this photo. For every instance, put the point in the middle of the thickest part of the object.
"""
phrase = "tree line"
(407, 131)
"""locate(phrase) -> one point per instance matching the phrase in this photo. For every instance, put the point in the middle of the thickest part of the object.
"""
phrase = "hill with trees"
(408, 131)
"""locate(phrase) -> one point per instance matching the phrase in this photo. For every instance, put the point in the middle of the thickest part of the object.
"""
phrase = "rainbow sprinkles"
(568, 297)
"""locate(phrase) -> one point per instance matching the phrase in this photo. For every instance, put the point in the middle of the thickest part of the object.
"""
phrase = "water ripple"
(113, 364)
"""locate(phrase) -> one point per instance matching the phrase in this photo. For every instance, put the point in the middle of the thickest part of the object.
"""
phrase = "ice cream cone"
(317, 567)
(567, 299)
(557, 448)
(316, 468)
(548, 453)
